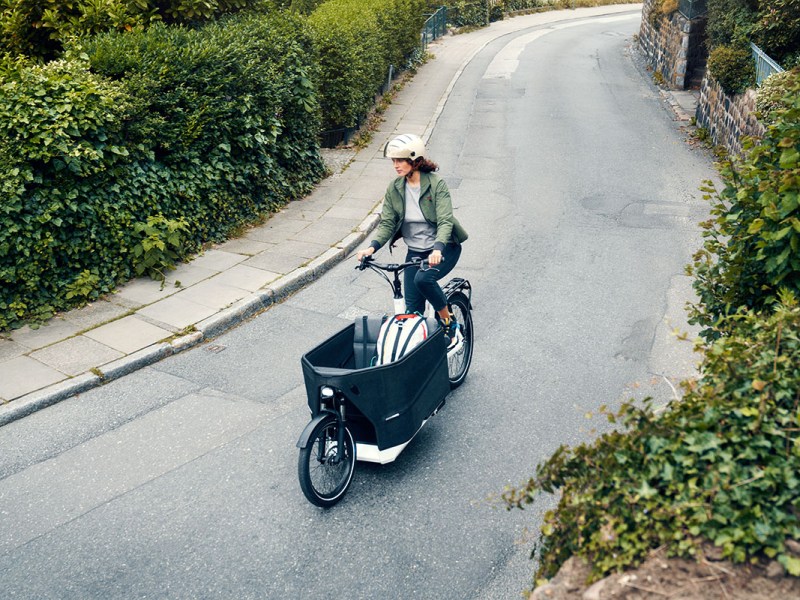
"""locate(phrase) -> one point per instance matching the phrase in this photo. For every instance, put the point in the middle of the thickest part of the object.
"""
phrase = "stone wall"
(727, 118)
(673, 45)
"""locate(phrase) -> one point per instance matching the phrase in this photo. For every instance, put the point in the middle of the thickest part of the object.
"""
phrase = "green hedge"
(356, 41)
(60, 132)
(733, 67)
(777, 30)
(772, 94)
(512, 5)
(774, 25)
(171, 130)
(39, 28)
(465, 13)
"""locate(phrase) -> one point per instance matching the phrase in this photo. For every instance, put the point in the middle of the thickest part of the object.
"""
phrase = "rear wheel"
(325, 473)
(459, 359)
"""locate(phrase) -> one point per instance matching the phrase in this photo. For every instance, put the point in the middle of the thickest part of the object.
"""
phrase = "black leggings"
(422, 285)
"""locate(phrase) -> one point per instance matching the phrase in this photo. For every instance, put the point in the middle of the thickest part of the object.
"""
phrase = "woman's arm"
(444, 215)
(386, 226)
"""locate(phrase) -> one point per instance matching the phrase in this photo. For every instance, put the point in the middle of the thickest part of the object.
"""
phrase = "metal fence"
(435, 26)
(765, 66)
(691, 9)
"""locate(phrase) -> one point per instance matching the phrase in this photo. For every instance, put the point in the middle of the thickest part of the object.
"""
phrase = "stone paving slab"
(9, 350)
(217, 260)
(94, 314)
(276, 262)
(212, 293)
(76, 355)
(143, 291)
(24, 374)
(245, 246)
(329, 231)
(312, 214)
(128, 334)
(349, 213)
(187, 274)
(55, 330)
(247, 278)
(304, 248)
(275, 234)
(177, 312)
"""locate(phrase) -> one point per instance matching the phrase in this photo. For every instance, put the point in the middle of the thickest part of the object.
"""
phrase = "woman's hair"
(424, 165)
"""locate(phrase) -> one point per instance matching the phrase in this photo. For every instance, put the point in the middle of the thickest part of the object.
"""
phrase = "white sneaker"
(456, 342)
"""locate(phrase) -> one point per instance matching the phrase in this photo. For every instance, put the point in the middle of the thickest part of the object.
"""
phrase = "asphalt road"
(179, 481)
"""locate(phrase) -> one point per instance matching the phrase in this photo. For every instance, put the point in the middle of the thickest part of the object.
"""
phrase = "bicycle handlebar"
(369, 263)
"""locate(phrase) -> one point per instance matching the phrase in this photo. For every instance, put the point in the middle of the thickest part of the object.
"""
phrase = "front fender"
(306, 435)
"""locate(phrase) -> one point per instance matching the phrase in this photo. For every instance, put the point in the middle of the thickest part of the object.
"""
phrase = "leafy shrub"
(777, 30)
(465, 13)
(229, 110)
(39, 28)
(730, 21)
(60, 130)
(772, 94)
(512, 5)
(215, 126)
(751, 245)
(774, 25)
(160, 246)
(732, 67)
(660, 11)
(356, 41)
(304, 7)
(721, 465)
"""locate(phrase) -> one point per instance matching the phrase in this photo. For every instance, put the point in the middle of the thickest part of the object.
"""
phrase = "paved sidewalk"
(144, 321)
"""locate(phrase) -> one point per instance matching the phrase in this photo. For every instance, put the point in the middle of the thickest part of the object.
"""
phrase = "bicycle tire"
(459, 362)
(323, 482)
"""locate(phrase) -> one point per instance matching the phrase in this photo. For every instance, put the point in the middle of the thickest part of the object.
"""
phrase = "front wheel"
(324, 472)
(458, 360)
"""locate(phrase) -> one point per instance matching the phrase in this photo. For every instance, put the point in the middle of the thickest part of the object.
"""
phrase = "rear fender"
(458, 284)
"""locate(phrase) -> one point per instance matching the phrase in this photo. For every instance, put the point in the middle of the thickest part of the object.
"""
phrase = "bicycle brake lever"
(362, 264)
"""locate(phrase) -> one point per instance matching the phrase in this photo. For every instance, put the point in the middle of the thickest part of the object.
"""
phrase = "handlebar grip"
(362, 264)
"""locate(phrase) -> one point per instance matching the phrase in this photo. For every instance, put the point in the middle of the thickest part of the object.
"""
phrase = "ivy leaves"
(752, 245)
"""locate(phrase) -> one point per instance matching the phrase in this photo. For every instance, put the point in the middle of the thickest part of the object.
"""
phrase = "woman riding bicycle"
(418, 208)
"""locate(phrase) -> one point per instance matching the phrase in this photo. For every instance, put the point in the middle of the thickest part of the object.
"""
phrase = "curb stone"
(30, 403)
(233, 315)
(133, 362)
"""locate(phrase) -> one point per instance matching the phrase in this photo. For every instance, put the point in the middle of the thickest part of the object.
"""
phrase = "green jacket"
(436, 206)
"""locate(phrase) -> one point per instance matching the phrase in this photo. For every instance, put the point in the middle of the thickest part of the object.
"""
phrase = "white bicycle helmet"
(407, 145)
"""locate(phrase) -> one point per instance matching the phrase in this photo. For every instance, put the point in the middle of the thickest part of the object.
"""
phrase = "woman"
(417, 206)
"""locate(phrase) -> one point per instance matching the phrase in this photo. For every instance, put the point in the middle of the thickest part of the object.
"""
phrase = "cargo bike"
(369, 412)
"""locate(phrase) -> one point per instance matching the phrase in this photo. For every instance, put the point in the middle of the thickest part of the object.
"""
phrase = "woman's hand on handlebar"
(434, 258)
(364, 255)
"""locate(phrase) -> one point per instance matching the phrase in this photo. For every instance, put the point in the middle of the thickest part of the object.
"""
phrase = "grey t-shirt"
(418, 234)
